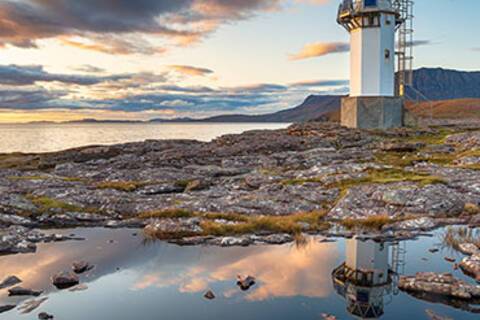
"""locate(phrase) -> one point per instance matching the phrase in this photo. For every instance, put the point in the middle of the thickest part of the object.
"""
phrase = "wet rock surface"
(439, 284)
(65, 280)
(9, 282)
(471, 265)
(410, 175)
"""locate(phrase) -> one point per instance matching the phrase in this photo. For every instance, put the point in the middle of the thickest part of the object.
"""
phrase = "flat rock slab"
(9, 282)
(471, 266)
(444, 284)
(20, 291)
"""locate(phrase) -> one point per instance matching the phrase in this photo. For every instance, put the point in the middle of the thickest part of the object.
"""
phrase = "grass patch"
(21, 178)
(126, 186)
(454, 236)
(471, 209)
(389, 176)
(294, 182)
(371, 223)
(46, 204)
(272, 224)
(226, 216)
(167, 213)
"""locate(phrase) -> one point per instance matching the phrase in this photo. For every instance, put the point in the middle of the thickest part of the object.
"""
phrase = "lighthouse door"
(370, 3)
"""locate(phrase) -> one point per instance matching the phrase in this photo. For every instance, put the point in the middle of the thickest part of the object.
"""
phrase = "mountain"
(445, 84)
(314, 107)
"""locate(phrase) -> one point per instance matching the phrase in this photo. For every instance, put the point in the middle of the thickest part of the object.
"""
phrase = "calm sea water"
(134, 279)
(55, 137)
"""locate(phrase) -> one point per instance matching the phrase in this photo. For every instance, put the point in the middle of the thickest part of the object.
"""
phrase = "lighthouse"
(373, 102)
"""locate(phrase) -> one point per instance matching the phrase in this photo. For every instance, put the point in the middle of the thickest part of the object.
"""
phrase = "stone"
(209, 295)
(235, 241)
(20, 291)
(65, 280)
(81, 266)
(434, 316)
(245, 283)
(173, 228)
(327, 316)
(439, 284)
(44, 316)
(78, 287)
(30, 305)
(9, 282)
(7, 308)
(471, 266)
(468, 248)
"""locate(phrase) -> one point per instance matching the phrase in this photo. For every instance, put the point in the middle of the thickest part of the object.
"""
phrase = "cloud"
(119, 26)
(476, 49)
(88, 69)
(29, 75)
(320, 83)
(318, 49)
(190, 70)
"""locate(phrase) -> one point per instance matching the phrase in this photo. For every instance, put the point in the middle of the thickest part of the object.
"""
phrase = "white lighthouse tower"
(372, 102)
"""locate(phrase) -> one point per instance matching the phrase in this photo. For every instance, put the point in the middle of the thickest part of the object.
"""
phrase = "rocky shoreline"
(256, 187)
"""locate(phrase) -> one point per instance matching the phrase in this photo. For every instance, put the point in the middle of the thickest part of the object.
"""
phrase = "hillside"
(447, 109)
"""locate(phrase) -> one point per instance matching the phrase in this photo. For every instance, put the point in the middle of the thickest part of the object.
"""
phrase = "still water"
(54, 137)
(134, 279)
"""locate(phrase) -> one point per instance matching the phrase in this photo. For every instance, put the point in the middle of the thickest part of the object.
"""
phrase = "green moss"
(46, 204)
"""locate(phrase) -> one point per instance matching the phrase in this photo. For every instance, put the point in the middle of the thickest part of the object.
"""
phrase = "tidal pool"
(138, 279)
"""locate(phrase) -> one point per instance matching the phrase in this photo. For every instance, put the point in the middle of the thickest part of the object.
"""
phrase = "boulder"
(20, 291)
(445, 284)
(65, 280)
(245, 283)
(7, 307)
(44, 316)
(173, 228)
(9, 282)
(471, 266)
(468, 248)
(81, 266)
(209, 295)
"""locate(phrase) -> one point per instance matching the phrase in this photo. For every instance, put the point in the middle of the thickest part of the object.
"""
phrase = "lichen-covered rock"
(471, 265)
(439, 284)
(468, 248)
(173, 228)
(423, 223)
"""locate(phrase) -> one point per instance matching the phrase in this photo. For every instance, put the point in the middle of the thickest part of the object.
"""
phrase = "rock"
(7, 307)
(468, 248)
(81, 267)
(439, 284)
(423, 223)
(245, 283)
(209, 295)
(433, 250)
(471, 266)
(30, 305)
(196, 185)
(79, 287)
(449, 259)
(400, 146)
(20, 291)
(235, 241)
(44, 316)
(277, 238)
(9, 282)
(326, 316)
(65, 280)
(173, 228)
(434, 316)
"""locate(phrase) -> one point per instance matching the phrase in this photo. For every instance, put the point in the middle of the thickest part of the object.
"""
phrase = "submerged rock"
(20, 291)
(434, 316)
(44, 316)
(65, 280)
(9, 282)
(7, 307)
(30, 305)
(439, 284)
(209, 295)
(245, 283)
(81, 267)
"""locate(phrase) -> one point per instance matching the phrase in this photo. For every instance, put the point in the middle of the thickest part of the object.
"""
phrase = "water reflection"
(365, 279)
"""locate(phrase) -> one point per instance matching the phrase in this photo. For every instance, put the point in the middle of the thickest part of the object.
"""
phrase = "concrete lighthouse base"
(372, 112)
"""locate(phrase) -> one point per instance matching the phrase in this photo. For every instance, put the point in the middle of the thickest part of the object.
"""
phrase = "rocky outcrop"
(439, 284)
(471, 265)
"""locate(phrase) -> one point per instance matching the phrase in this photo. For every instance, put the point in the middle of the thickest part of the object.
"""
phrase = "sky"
(143, 59)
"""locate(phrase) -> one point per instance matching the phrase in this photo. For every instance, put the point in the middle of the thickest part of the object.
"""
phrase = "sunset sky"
(123, 59)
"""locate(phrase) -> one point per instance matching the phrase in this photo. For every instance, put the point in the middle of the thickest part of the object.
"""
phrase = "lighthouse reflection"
(366, 280)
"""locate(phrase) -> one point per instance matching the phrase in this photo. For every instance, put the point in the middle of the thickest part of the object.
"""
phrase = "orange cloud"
(319, 49)
(190, 70)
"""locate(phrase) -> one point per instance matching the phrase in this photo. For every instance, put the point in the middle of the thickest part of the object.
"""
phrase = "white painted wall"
(372, 74)
(368, 256)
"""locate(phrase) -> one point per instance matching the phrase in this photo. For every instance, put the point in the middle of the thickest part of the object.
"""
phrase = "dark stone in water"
(245, 283)
(209, 295)
(20, 291)
(81, 267)
(44, 316)
(9, 281)
(65, 280)
(6, 308)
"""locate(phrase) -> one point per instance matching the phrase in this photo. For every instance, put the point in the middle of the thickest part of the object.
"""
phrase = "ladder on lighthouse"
(405, 45)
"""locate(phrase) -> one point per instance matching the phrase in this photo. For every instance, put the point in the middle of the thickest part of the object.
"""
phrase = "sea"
(49, 137)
